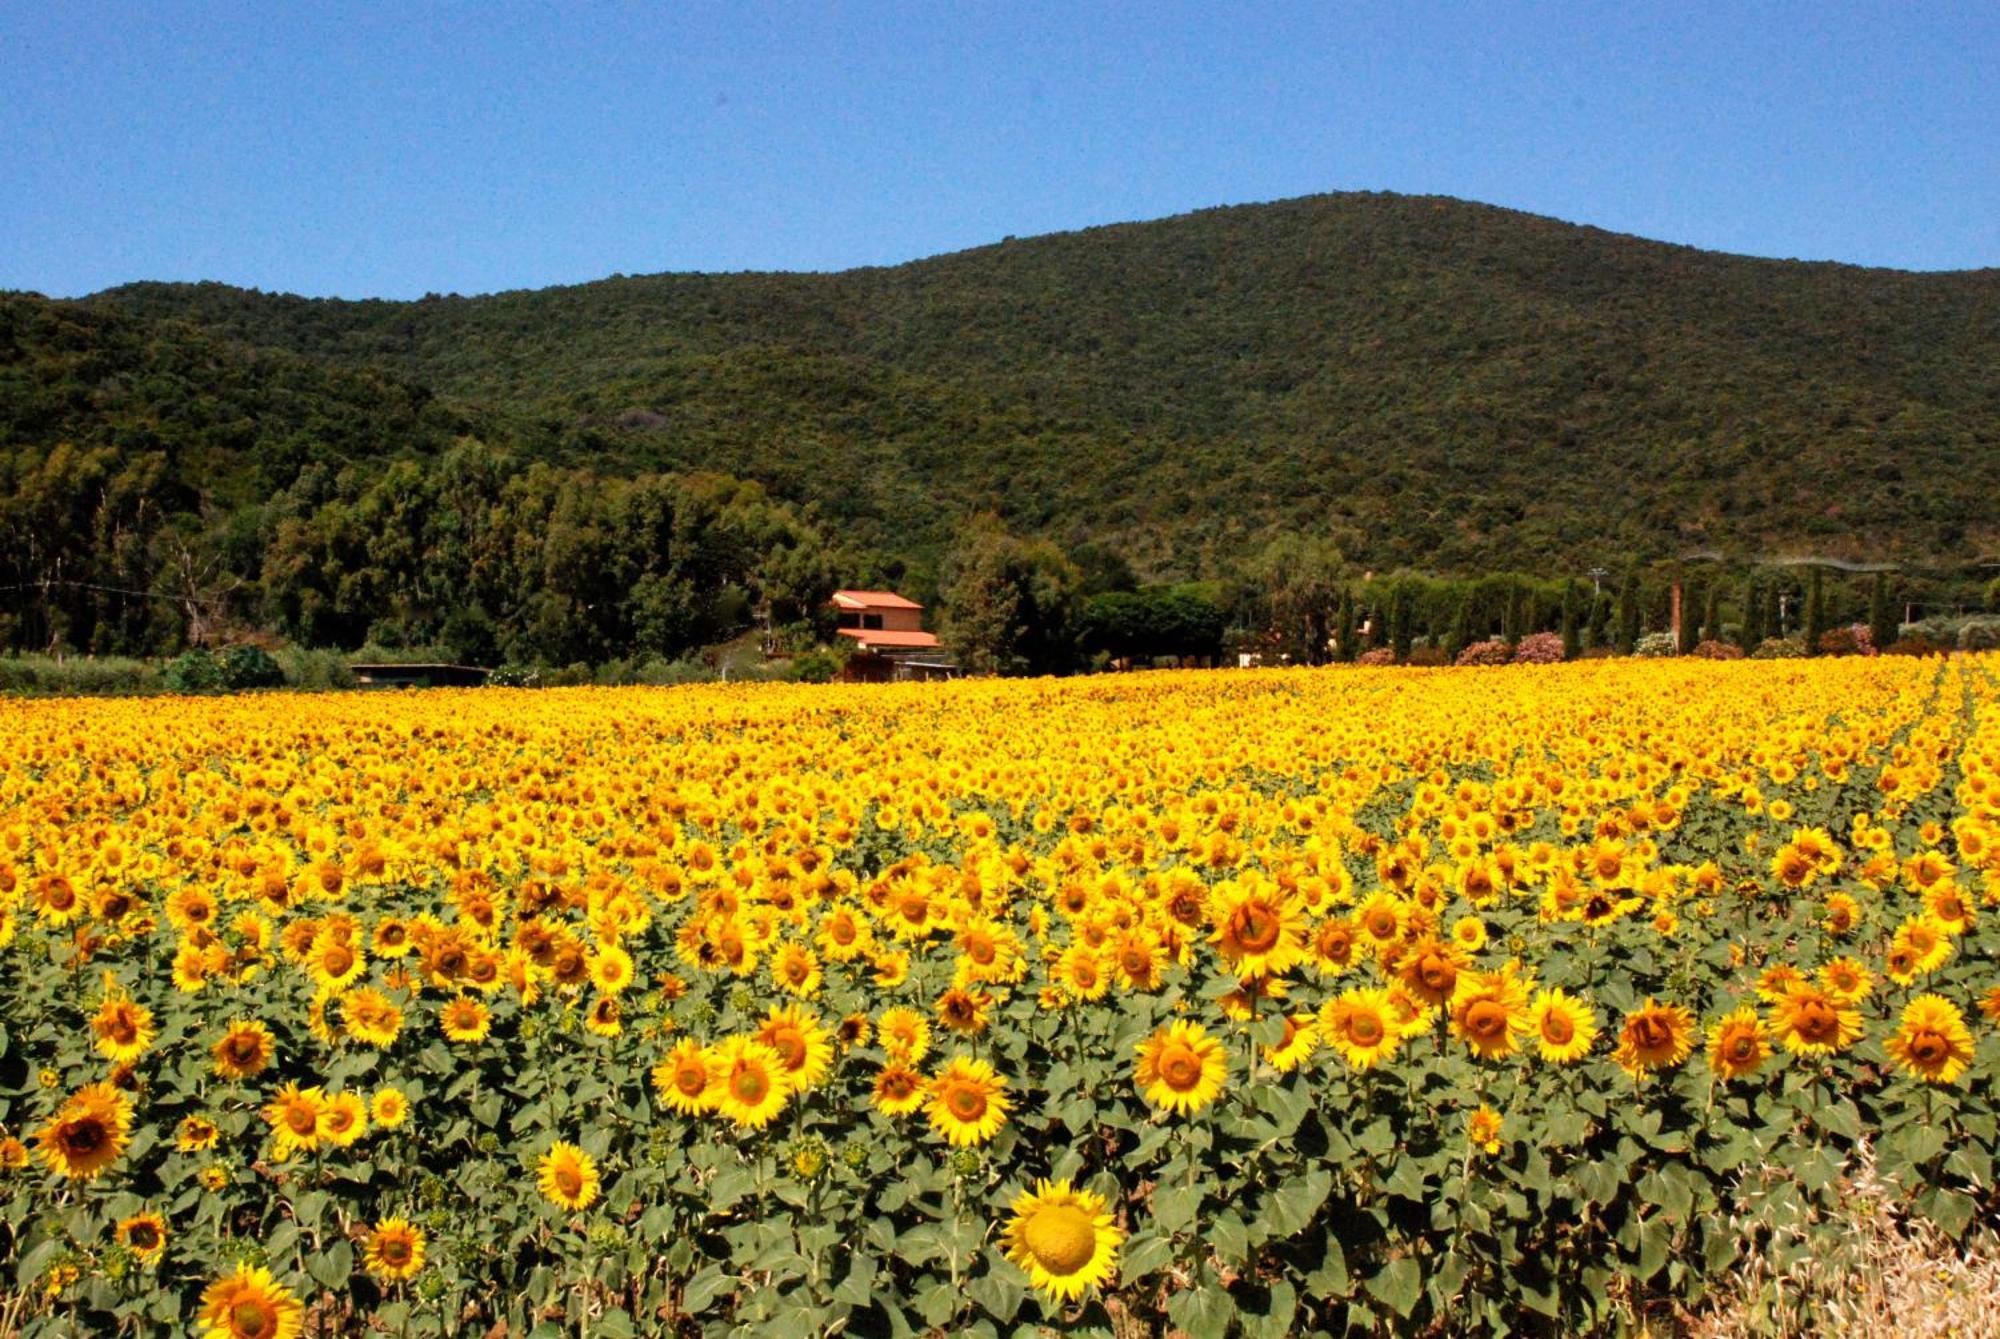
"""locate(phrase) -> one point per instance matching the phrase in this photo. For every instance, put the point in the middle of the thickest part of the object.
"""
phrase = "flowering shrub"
(1381, 655)
(1257, 1003)
(1714, 650)
(1654, 646)
(1485, 653)
(1980, 634)
(1779, 648)
(1854, 639)
(1539, 648)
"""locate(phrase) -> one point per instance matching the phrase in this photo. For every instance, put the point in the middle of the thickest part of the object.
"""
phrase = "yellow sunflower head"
(1062, 1238)
(1181, 1068)
(567, 1176)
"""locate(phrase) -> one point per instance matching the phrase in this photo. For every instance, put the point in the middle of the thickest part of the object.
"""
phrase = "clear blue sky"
(393, 149)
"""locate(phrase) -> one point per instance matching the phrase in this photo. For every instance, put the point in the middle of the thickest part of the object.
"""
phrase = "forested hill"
(1459, 385)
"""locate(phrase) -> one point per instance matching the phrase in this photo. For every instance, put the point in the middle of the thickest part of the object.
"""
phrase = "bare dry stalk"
(1889, 1275)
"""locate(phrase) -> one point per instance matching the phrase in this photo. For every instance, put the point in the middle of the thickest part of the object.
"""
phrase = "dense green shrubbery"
(77, 676)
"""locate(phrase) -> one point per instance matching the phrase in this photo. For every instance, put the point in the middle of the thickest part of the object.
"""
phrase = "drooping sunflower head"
(1181, 1068)
(250, 1304)
(1931, 1042)
(567, 1176)
(967, 1101)
(1063, 1238)
(395, 1249)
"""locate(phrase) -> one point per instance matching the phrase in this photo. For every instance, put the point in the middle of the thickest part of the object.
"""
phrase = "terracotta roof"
(872, 599)
(873, 637)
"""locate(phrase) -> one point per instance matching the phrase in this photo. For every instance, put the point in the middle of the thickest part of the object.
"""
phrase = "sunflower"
(964, 1011)
(1921, 944)
(567, 1176)
(1738, 1044)
(250, 1304)
(196, 1133)
(388, 1108)
(968, 1101)
(395, 1249)
(293, 1115)
(898, 1089)
(682, 1080)
(1258, 929)
(1847, 980)
(1333, 944)
(603, 1018)
(1812, 1021)
(750, 1082)
(88, 1132)
(1931, 1042)
(1489, 1012)
(1181, 1068)
(343, 1119)
(1429, 968)
(1062, 1238)
(1564, 1026)
(245, 1051)
(795, 968)
(370, 1017)
(1482, 1129)
(124, 1030)
(1654, 1036)
(1361, 1024)
(1296, 1046)
(800, 1042)
(335, 962)
(465, 1019)
(145, 1235)
(611, 969)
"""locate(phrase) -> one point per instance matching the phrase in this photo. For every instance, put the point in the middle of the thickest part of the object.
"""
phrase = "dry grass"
(1885, 1275)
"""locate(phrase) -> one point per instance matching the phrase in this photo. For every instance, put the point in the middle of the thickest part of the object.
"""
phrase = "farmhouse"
(889, 638)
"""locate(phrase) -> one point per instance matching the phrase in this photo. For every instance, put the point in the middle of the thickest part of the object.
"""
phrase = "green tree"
(1011, 606)
(1629, 620)
(1690, 628)
(1402, 615)
(1815, 612)
(1883, 624)
(1572, 633)
(1754, 628)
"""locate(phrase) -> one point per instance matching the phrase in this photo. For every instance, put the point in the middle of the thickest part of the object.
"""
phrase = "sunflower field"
(1260, 1002)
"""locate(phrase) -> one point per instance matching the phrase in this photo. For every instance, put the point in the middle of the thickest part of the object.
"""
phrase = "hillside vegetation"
(1463, 385)
(1424, 382)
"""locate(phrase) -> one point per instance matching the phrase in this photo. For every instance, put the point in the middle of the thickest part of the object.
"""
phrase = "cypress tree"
(1711, 619)
(1600, 620)
(1815, 612)
(1344, 632)
(1628, 614)
(1690, 629)
(1461, 627)
(1400, 617)
(1378, 627)
(1753, 617)
(1572, 638)
(1883, 625)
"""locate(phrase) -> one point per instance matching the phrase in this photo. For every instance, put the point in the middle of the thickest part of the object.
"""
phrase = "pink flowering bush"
(1539, 648)
(1485, 653)
(1381, 655)
(1714, 650)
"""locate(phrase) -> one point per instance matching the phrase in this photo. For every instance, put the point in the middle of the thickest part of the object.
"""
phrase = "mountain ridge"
(1445, 383)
